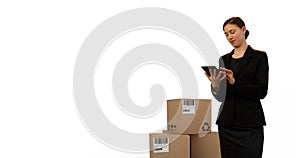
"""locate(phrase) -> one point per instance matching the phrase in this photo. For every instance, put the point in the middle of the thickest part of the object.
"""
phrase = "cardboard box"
(207, 146)
(189, 116)
(168, 145)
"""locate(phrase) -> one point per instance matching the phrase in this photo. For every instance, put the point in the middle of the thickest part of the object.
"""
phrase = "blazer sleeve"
(259, 88)
(220, 96)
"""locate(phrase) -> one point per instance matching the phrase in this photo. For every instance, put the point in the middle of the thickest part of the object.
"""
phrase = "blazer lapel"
(247, 56)
(227, 60)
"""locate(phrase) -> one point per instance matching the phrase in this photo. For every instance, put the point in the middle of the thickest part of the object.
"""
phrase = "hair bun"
(247, 34)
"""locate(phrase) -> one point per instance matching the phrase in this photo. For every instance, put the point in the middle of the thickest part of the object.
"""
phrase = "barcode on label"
(189, 102)
(161, 144)
(161, 141)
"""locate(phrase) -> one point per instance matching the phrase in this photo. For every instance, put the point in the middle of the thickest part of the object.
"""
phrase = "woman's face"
(234, 34)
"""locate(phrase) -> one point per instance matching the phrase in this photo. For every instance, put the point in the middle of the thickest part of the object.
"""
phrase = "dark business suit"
(241, 117)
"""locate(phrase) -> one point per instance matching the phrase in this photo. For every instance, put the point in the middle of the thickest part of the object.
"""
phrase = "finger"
(222, 78)
(209, 78)
(215, 73)
(221, 75)
(211, 73)
(229, 72)
(226, 70)
(223, 69)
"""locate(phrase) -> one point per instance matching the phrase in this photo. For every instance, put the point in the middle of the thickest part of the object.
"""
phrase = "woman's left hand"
(229, 75)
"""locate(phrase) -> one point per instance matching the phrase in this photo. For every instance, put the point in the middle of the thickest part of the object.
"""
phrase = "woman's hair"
(238, 22)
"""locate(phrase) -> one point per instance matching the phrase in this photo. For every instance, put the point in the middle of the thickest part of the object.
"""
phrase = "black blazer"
(241, 104)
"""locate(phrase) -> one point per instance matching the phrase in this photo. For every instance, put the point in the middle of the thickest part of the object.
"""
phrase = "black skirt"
(239, 142)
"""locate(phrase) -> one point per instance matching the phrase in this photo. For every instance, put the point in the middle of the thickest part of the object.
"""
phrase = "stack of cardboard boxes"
(189, 132)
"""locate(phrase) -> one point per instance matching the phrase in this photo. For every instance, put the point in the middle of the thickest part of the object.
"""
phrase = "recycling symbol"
(205, 127)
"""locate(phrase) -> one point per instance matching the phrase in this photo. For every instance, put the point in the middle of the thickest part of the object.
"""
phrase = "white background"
(39, 43)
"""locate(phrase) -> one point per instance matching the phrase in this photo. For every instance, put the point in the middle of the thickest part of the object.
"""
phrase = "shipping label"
(161, 144)
(188, 106)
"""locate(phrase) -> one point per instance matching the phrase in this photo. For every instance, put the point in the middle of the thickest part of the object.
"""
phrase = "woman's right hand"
(216, 79)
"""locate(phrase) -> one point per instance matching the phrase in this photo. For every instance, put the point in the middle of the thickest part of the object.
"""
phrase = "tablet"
(207, 68)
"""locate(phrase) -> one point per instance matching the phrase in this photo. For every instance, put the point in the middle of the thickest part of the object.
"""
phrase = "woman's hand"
(216, 78)
(229, 75)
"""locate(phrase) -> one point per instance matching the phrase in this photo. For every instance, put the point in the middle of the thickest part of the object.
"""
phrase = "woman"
(241, 117)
